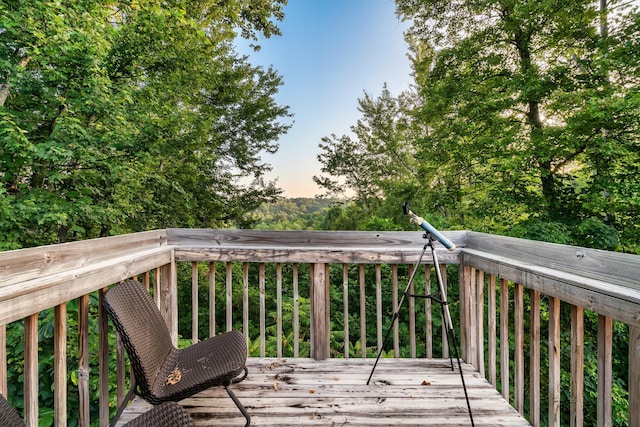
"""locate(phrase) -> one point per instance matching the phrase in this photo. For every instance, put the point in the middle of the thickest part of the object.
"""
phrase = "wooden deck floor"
(297, 392)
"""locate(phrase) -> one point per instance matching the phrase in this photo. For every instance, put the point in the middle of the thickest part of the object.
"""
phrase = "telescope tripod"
(446, 315)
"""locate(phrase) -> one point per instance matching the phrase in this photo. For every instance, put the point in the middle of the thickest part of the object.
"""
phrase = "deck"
(307, 392)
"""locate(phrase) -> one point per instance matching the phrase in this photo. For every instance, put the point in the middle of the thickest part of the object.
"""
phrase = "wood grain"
(334, 392)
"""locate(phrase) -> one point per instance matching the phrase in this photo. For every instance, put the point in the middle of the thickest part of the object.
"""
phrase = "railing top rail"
(22, 265)
(606, 266)
(391, 247)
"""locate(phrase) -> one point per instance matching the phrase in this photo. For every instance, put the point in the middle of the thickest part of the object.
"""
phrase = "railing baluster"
(554, 362)
(261, 285)
(363, 315)
(279, 308)
(120, 370)
(577, 366)
(634, 375)
(378, 307)
(60, 363)
(492, 330)
(156, 287)
(465, 312)
(504, 338)
(212, 300)
(396, 328)
(534, 359)
(83, 360)
(296, 314)
(428, 316)
(473, 317)
(518, 323)
(194, 302)
(245, 300)
(31, 370)
(605, 375)
(412, 318)
(345, 308)
(103, 360)
(445, 334)
(480, 322)
(229, 290)
(3, 360)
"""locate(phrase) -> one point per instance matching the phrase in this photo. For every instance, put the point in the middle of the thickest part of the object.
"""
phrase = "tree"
(132, 115)
(518, 99)
(378, 159)
(524, 122)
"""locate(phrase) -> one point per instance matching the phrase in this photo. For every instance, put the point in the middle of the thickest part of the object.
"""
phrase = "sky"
(330, 53)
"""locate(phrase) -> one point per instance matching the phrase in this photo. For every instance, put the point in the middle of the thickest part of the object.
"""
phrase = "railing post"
(169, 297)
(320, 312)
(634, 375)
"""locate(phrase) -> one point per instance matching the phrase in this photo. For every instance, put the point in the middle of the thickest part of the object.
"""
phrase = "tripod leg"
(397, 313)
(450, 331)
(464, 386)
(384, 342)
(446, 337)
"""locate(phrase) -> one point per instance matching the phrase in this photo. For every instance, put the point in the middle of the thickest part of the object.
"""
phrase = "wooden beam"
(607, 266)
(23, 265)
(534, 359)
(60, 365)
(103, 360)
(84, 418)
(634, 376)
(326, 247)
(619, 302)
(518, 313)
(319, 311)
(577, 366)
(554, 362)
(169, 299)
(504, 338)
(31, 379)
(20, 300)
(605, 370)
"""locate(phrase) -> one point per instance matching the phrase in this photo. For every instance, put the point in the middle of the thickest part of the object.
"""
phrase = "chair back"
(143, 331)
(9, 417)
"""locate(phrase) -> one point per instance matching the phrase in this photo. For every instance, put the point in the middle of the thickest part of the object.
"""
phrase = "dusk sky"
(329, 54)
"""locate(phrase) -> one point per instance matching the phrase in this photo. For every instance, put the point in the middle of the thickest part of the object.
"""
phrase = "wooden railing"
(298, 294)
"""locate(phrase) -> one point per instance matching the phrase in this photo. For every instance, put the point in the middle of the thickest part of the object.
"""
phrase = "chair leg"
(124, 403)
(236, 380)
(239, 405)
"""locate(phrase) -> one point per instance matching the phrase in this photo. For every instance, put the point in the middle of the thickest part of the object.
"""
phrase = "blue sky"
(329, 54)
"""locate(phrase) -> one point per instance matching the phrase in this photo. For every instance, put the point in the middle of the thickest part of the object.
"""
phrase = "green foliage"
(126, 116)
(130, 116)
(524, 116)
(292, 214)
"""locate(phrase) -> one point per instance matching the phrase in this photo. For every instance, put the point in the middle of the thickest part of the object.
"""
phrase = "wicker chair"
(162, 372)
(168, 414)
(9, 417)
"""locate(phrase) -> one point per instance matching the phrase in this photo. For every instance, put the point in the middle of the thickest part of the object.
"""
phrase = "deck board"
(305, 392)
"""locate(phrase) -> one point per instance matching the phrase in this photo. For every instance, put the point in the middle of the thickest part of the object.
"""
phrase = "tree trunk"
(4, 88)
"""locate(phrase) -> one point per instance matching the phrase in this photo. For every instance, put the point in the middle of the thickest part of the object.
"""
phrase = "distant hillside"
(300, 213)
